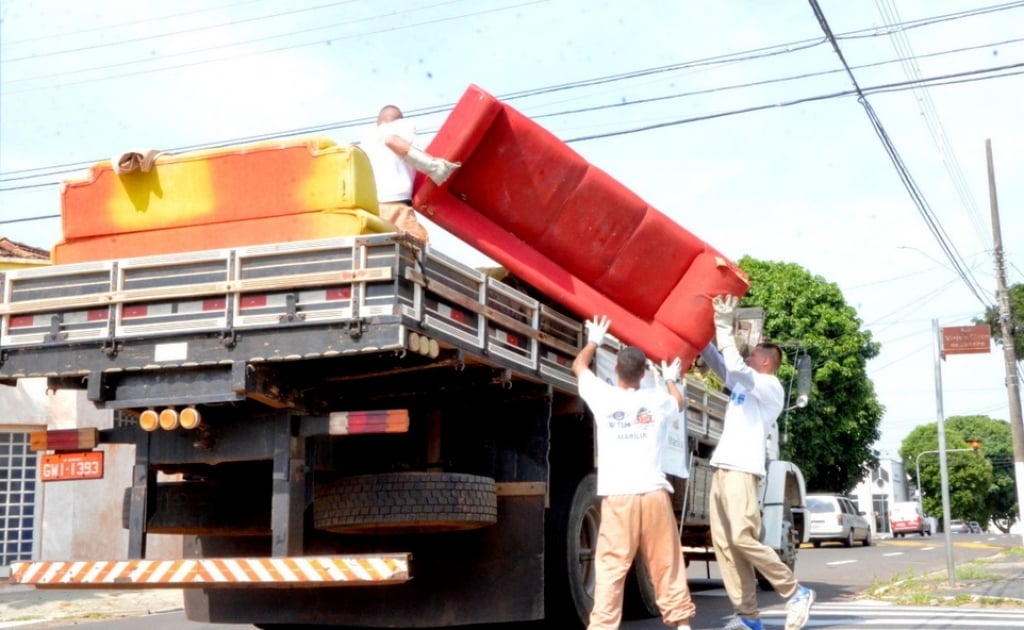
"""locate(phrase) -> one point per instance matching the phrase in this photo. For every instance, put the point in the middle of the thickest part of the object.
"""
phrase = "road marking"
(838, 562)
(895, 553)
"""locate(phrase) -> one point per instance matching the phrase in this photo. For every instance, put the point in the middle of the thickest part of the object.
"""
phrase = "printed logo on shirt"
(635, 430)
(738, 397)
(618, 421)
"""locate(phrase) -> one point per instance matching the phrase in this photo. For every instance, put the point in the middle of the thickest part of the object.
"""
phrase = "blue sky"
(808, 183)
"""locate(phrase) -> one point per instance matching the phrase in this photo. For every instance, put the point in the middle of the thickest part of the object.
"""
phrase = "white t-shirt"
(392, 175)
(755, 403)
(630, 426)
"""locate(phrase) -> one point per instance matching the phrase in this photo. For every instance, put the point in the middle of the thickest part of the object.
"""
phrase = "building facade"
(879, 489)
(62, 520)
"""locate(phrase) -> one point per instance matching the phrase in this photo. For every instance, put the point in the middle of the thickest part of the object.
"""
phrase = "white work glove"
(725, 307)
(597, 328)
(437, 169)
(670, 371)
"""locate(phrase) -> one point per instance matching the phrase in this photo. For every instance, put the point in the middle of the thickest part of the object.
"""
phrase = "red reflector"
(213, 304)
(21, 321)
(134, 310)
(458, 316)
(342, 293)
(253, 301)
(96, 314)
(64, 440)
(383, 421)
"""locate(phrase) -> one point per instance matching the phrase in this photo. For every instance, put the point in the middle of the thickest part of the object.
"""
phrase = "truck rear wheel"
(639, 600)
(411, 502)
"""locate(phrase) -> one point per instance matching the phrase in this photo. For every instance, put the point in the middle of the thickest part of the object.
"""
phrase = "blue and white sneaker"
(739, 623)
(798, 608)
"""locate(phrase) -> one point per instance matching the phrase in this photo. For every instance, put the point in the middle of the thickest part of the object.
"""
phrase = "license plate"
(66, 466)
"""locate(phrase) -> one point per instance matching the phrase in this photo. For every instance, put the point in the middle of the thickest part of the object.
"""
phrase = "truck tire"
(639, 600)
(581, 545)
(400, 503)
(202, 509)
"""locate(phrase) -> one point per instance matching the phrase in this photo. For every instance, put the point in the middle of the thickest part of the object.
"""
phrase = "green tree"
(991, 317)
(977, 490)
(831, 438)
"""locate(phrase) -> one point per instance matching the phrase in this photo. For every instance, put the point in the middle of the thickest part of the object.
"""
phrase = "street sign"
(966, 339)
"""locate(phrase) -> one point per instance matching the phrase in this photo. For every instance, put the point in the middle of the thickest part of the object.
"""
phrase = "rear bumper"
(213, 572)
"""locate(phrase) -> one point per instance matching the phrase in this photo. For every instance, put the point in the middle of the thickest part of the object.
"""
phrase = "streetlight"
(974, 449)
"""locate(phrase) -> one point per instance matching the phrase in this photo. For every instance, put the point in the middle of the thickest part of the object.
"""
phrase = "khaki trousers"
(736, 537)
(402, 216)
(644, 523)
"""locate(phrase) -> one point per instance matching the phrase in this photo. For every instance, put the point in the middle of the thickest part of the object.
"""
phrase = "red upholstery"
(528, 201)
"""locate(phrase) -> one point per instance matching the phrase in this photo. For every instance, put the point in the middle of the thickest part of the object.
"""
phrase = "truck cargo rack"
(368, 293)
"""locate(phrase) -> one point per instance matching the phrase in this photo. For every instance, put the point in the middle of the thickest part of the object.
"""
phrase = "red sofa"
(564, 226)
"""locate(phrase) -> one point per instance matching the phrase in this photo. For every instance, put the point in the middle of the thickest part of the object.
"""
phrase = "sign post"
(952, 340)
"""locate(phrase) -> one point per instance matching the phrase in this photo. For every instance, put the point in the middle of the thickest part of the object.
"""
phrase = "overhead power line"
(249, 53)
(121, 25)
(148, 58)
(900, 41)
(908, 181)
(163, 34)
(948, 79)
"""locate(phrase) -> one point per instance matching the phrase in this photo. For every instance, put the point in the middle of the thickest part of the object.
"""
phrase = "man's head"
(631, 365)
(387, 114)
(765, 358)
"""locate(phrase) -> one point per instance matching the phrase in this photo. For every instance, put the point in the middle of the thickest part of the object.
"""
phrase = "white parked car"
(835, 518)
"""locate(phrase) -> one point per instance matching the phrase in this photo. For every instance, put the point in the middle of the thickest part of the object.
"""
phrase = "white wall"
(77, 519)
(888, 480)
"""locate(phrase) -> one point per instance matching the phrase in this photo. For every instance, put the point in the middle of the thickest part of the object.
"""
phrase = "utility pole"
(1009, 352)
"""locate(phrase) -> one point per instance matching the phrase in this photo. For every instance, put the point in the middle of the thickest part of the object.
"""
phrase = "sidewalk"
(26, 606)
(994, 581)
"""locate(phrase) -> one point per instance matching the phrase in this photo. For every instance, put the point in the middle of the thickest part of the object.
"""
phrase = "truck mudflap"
(306, 571)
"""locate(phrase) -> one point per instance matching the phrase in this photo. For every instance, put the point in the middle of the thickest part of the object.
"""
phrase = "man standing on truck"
(394, 160)
(755, 402)
(636, 509)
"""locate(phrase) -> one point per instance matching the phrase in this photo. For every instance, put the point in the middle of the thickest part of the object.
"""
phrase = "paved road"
(838, 574)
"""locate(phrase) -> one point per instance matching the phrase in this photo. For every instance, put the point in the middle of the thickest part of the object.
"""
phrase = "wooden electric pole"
(1009, 351)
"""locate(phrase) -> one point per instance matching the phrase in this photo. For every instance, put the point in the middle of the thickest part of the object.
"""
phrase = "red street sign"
(966, 339)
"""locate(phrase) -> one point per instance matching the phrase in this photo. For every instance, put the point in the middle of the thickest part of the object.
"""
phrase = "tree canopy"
(831, 438)
(1016, 295)
(981, 484)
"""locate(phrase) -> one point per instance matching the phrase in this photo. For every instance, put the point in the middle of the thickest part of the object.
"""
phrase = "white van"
(906, 517)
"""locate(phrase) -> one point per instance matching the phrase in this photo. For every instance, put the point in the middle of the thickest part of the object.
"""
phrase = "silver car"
(835, 518)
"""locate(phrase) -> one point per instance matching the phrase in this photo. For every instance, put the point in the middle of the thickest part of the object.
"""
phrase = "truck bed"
(272, 304)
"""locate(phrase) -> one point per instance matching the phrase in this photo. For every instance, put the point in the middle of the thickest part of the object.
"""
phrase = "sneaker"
(798, 608)
(739, 623)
